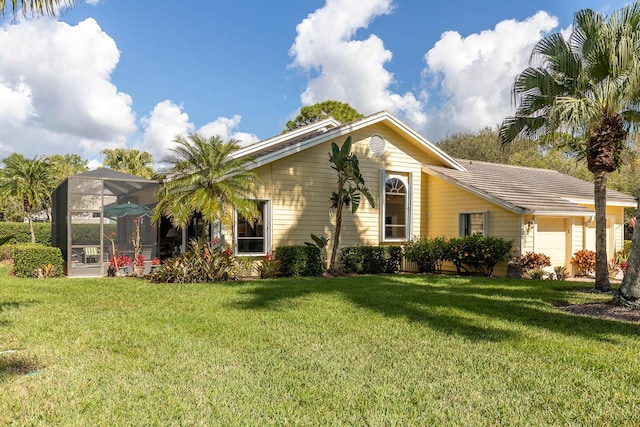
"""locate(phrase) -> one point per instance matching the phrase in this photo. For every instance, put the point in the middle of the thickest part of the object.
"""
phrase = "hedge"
(21, 232)
(371, 259)
(31, 259)
(299, 260)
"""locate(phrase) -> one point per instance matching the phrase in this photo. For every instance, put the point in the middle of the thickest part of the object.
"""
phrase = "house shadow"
(429, 303)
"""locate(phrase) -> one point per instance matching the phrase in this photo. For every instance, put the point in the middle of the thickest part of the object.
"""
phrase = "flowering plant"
(155, 261)
(121, 261)
(139, 260)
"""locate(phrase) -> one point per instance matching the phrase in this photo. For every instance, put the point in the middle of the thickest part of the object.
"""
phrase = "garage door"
(551, 239)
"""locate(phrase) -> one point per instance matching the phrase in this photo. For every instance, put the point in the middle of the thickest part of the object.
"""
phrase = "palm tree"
(34, 7)
(131, 161)
(205, 178)
(588, 86)
(29, 180)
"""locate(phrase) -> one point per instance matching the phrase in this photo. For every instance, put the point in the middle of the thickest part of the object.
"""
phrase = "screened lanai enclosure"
(101, 212)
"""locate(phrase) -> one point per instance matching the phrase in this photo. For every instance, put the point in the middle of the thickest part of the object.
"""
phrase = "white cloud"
(467, 79)
(56, 90)
(161, 127)
(474, 74)
(349, 70)
(167, 120)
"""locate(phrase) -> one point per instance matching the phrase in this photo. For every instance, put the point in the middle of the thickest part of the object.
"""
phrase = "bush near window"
(477, 254)
(299, 260)
(202, 262)
(371, 259)
(21, 232)
(428, 253)
(585, 261)
(30, 260)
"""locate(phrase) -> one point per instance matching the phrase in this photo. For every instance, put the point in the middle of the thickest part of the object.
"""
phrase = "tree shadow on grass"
(14, 363)
(462, 306)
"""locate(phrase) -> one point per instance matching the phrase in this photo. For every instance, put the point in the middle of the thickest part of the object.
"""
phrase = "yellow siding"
(299, 187)
(445, 201)
(615, 230)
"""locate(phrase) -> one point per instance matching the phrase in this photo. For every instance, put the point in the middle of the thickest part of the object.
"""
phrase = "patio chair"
(91, 255)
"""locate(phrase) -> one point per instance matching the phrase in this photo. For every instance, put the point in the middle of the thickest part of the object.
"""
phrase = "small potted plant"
(138, 267)
(120, 265)
(155, 263)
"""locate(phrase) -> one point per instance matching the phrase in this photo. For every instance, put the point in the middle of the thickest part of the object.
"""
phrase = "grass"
(369, 350)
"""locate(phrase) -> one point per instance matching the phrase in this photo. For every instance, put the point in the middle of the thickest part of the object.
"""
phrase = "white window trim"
(485, 222)
(407, 179)
(266, 222)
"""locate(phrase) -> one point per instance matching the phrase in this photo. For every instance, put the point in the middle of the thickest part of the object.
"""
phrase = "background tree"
(205, 178)
(131, 161)
(587, 85)
(29, 180)
(340, 111)
(483, 145)
(34, 7)
(66, 165)
(350, 186)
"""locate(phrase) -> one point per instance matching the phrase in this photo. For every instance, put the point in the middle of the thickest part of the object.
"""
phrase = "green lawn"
(370, 350)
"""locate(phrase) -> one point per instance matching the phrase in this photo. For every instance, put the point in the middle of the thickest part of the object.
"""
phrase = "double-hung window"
(470, 223)
(252, 237)
(395, 198)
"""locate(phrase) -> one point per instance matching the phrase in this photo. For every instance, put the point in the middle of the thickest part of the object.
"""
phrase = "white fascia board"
(426, 143)
(266, 143)
(609, 203)
(346, 129)
(564, 213)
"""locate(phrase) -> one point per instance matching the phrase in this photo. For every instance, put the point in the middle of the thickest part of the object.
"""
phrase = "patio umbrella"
(126, 209)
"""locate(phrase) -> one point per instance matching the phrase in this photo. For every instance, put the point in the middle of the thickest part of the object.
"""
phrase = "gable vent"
(377, 145)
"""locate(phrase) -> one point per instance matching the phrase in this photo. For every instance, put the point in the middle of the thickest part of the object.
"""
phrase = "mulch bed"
(603, 310)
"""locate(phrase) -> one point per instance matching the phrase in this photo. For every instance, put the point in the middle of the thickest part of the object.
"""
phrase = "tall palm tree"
(588, 86)
(131, 161)
(205, 178)
(34, 7)
(29, 180)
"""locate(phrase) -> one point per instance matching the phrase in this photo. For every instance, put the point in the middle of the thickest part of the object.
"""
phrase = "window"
(252, 236)
(395, 208)
(472, 222)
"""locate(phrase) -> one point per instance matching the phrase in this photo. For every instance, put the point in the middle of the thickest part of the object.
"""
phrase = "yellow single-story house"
(419, 191)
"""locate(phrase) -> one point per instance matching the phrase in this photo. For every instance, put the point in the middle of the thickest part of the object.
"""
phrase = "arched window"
(396, 208)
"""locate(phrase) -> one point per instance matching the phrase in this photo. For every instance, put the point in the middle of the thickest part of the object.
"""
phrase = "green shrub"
(202, 262)
(269, 267)
(371, 259)
(299, 260)
(21, 232)
(477, 254)
(30, 260)
(428, 253)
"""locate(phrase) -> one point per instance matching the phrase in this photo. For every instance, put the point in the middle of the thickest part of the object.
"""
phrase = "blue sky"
(116, 73)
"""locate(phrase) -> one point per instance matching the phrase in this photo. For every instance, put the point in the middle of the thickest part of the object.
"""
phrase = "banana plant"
(350, 188)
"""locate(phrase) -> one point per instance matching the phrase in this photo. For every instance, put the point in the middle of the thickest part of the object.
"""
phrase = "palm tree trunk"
(336, 237)
(629, 293)
(33, 234)
(602, 266)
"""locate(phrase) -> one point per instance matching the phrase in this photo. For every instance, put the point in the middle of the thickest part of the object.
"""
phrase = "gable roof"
(275, 148)
(527, 190)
